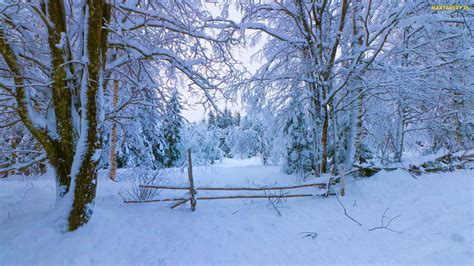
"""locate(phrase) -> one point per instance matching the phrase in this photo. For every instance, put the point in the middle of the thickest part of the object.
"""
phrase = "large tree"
(306, 52)
(57, 58)
(330, 53)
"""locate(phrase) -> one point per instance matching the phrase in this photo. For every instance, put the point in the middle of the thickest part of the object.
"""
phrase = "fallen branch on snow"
(344, 208)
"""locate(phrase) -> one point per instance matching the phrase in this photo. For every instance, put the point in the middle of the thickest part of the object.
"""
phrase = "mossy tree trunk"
(72, 150)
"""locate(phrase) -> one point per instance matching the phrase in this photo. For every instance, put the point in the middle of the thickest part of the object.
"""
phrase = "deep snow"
(436, 222)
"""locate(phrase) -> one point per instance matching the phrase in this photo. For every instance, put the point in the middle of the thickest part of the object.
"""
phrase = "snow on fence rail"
(320, 185)
(192, 190)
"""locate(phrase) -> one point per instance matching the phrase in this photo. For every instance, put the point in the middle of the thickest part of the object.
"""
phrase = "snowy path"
(436, 219)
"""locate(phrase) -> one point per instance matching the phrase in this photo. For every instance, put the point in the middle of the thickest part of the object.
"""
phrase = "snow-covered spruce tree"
(253, 136)
(136, 118)
(299, 157)
(203, 143)
(57, 58)
(141, 142)
(211, 121)
(173, 122)
(225, 122)
(264, 136)
(237, 119)
(242, 139)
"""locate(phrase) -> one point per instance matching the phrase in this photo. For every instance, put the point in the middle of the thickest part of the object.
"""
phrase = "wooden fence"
(193, 190)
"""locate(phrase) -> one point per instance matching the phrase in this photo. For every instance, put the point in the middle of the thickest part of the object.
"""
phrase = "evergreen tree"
(171, 131)
(299, 157)
(264, 139)
(237, 119)
(140, 145)
(211, 121)
(224, 122)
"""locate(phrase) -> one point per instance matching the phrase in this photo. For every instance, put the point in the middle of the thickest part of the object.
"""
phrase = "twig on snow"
(311, 235)
(386, 226)
(276, 202)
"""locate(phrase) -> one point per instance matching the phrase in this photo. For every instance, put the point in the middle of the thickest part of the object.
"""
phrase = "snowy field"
(435, 224)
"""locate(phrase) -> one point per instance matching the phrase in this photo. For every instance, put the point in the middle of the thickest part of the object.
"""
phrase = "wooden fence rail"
(320, 185)
(224, 197)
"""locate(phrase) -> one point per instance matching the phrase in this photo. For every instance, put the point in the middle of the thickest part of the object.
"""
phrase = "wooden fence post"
(342, 173)
(192, 191)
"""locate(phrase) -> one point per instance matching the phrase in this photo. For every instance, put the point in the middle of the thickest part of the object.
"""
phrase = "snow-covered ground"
(436, 222)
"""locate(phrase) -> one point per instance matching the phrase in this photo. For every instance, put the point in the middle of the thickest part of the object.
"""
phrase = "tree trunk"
(85, 185)
(14, 145)
(350, 153)
(84, 169)
(359, 112)
(359, 128)
(324, 141)
(113, 141)
(458, 104)
(316, 140)
(75, 159)
(335, 143)
(400, 137)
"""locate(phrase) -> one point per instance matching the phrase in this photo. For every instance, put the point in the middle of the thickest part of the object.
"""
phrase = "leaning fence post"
(342, 172)
(192, 191)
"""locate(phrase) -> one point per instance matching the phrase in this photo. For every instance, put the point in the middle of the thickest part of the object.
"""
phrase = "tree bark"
(73, 155)
(324, 141)
(335, 144)
(326, 90)
(113, 140)
(85, 176)
(14, 145)
(358, 42)
(458, 104)
(400, 135)
(359, 127)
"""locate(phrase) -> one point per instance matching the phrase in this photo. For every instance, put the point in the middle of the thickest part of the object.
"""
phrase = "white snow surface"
(436, 221)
